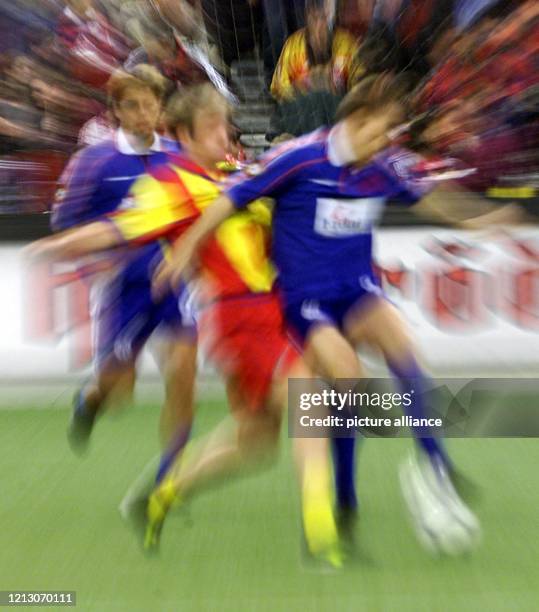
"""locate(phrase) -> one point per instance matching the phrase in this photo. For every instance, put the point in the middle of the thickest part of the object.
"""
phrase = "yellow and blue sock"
(171, 453)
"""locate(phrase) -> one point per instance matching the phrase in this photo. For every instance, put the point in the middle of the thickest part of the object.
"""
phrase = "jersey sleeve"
(407, 183)
(73, 201)
(151, 210)
(266, 178)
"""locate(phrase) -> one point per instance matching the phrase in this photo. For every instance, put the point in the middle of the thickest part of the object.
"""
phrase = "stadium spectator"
(160, 48)
(318, 65)
(468, 12)
(319, 56)
(280, 19)
(487, 90)
(95, 47)
(409, 32)
(182, 61)
(97, 129)
(40, 114)
(183, 16)
(25, 21)
(500, 49)
(56, 54)
(355, 16)
(25, 120)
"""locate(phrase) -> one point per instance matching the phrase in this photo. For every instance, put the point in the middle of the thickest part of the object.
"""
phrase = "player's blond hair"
(142, 76)
(183, 106)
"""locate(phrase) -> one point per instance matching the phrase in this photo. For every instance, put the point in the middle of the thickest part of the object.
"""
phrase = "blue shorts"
(125, 315)
(305, 315)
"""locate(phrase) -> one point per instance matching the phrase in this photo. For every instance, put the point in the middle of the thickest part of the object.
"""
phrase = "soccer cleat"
(326, 561)
(442, 521)
(347, 518)
(158, 504)
(80, 425)
(321, 536)
(155, 515)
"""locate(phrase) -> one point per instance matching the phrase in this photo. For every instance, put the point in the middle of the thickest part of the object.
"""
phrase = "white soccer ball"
(442, 521)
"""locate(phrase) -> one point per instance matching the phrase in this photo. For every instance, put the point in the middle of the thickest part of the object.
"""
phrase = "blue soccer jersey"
(96, 182)
(99, 177)
(325, 211)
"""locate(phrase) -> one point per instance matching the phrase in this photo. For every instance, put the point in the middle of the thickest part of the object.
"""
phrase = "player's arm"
(258, 181)
(451, 205)
(185, 249)
(500, 215)
(75, 243)
(439, 199)
(150, 216)
(77, 195)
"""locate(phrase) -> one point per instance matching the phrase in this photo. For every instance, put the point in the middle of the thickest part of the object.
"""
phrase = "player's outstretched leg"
(412, 380)
(441, 518)
(380, 325)
(236, 447)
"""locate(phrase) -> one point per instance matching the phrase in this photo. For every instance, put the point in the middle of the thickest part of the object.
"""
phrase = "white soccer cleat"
(442, 521)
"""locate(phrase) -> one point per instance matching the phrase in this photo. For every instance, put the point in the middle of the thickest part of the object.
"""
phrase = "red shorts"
(246, 339)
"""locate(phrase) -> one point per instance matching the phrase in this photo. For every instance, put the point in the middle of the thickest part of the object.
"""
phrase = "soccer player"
(240, 321)
(329, 190)
(96, 182)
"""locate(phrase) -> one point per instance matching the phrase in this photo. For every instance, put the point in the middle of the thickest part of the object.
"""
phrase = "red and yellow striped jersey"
(163, 204)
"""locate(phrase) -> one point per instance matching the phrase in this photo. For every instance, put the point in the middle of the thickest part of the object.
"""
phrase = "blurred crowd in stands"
(473, 66)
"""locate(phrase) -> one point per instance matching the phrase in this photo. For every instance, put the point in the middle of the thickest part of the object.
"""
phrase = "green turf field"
(60, 529)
